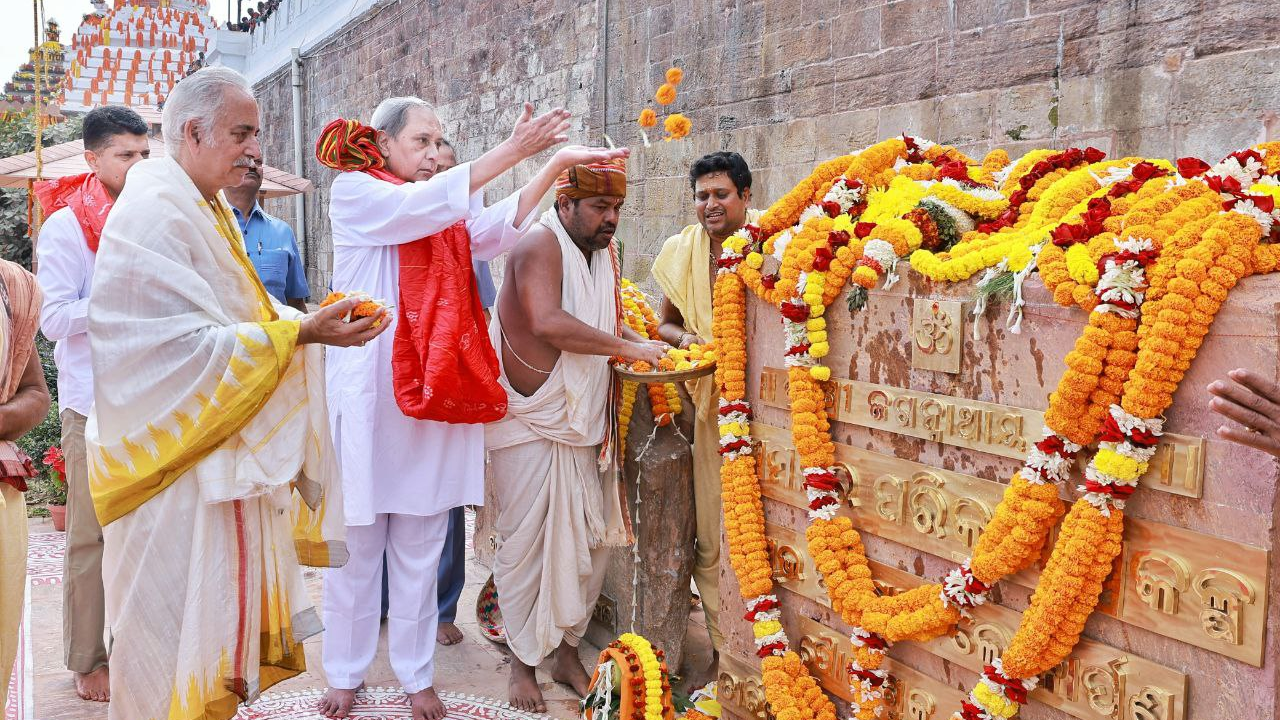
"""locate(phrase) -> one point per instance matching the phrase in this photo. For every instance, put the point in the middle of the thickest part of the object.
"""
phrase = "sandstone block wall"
(789, 82)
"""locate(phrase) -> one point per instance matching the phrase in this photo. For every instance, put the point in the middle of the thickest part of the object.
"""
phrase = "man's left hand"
(570, 155)
(1252, 401)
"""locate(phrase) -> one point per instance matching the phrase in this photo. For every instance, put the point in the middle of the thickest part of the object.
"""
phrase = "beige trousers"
(706, 506)
(83, 604)
(13, 581)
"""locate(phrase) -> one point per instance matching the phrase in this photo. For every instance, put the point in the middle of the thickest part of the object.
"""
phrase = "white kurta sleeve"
(375, 213)
(493, 230)
(61, 275)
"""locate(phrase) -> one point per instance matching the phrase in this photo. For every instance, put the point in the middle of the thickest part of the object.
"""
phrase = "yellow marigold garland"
(1104, 390)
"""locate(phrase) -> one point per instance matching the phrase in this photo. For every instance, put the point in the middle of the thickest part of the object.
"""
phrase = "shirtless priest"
(559, 511)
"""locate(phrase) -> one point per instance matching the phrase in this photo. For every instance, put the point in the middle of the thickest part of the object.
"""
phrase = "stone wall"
(789, 82)
(476, 61)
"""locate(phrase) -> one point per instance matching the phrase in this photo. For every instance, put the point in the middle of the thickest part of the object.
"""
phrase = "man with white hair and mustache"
(407, 412)
(209, 412)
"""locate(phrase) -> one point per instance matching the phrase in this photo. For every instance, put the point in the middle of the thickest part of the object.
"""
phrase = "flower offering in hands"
(367, 306)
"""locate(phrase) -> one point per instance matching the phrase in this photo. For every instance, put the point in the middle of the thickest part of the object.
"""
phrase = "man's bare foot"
(523, 689)
(699, 678)
(336, 702)
(448, 634)
(94, 686)
(426, 705)
(569, 671)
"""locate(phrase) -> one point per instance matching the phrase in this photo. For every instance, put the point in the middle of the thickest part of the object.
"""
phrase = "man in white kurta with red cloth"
(405, 411)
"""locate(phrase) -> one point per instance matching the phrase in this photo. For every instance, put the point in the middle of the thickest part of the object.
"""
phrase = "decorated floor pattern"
(379, 703)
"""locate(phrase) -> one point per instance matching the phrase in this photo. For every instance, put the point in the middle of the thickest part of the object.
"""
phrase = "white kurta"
(66, 277)
(392, 463)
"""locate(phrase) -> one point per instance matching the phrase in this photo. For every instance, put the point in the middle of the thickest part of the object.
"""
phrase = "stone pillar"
(647, 587)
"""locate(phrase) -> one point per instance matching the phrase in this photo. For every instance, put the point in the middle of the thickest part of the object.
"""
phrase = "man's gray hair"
(392, 113)
(197, 97)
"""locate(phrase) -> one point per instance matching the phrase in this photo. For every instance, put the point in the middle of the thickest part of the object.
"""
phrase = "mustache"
(246, 163)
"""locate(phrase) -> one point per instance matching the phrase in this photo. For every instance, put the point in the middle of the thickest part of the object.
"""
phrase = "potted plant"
(53, 474)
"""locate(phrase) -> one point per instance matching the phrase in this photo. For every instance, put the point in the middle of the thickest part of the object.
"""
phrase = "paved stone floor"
(473, 672)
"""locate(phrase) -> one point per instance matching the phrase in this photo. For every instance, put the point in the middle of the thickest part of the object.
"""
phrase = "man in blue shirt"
(269, 242)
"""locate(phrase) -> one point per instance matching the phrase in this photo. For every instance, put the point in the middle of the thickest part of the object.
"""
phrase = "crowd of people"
(257, 16)
(218, 434)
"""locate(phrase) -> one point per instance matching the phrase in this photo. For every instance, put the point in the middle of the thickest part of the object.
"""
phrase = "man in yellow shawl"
(24, 402)
(685, 270)
(209, 412)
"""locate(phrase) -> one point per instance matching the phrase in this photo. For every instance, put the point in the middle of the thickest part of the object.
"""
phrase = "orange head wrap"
(603, 178)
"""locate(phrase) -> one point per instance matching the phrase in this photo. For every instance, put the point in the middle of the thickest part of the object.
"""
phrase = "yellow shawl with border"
(683, 271)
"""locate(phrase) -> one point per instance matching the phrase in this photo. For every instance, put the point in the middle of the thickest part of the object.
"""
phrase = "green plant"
(17, 136)
(36, 443)
(45, 346)
(45, 487)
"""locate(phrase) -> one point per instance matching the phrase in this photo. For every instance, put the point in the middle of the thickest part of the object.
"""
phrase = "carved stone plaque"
(936, 339)
(1096, 681)
(1177, 468)
(1182, 584)
(739, 689)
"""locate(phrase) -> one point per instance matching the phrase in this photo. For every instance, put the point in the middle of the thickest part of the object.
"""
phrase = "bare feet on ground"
(569, 671)
(699, 678)
(448, 634)
(95, 686)
(426, 705)
(336, 703)
(523, 689)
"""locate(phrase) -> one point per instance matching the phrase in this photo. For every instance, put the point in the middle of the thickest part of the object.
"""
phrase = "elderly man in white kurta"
(403, 475)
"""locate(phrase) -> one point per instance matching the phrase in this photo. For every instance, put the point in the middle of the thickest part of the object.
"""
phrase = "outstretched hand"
(327, 326)
(650, 351)
(570, 155)
(1253, 402)
(533, 135)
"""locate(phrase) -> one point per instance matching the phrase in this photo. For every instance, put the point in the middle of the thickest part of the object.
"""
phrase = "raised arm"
(497, 228)
(366, 211)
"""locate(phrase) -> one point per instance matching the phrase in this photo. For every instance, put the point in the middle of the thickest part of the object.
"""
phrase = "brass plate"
(1097, 681)
(1003, 430)
(739, 689)
(910, 695)
(1202, 590)
(936, 337)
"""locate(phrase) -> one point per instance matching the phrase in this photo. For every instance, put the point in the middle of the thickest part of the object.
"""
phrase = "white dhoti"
(559, 507)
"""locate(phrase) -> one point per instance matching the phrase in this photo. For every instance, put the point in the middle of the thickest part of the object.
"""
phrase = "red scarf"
(443, 366)
(85, 195)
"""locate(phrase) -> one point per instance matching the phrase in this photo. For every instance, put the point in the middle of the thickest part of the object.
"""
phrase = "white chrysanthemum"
(1260, 216)
(1245, 174)
(811, 212)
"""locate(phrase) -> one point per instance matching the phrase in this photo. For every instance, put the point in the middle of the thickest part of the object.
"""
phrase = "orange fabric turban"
(604, 178)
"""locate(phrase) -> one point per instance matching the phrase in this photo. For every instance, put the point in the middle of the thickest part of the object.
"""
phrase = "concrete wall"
(790, 82)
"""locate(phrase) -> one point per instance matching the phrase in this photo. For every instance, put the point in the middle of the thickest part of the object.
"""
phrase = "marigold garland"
(1161, 256)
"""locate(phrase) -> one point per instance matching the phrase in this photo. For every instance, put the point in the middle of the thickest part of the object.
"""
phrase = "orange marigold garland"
(792, 693)
(1172, 329)
(1140, 241)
